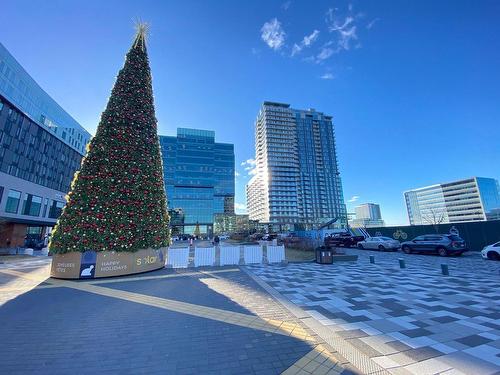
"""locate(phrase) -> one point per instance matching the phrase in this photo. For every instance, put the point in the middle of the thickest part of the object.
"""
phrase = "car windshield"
(455, 238)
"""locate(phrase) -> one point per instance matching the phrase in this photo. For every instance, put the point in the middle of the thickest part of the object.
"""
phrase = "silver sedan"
(379, 243)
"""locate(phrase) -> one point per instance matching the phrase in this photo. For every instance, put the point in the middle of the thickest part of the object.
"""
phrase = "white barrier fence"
(229, 255)
(204, 256)
(252, 254)
(223, 256)
(178, 257)
(275, 254)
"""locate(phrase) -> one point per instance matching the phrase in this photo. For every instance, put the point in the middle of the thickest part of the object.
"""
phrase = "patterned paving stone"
(473, 340)
(427, 317)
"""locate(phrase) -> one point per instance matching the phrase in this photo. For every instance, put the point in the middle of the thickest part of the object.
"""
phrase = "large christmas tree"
(117, 201)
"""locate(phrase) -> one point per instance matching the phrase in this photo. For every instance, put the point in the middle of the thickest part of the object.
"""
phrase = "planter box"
(345, 258)
(28, 251)
(92, 264)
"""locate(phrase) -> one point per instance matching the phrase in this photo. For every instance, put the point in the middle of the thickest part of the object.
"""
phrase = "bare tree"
(434, 216)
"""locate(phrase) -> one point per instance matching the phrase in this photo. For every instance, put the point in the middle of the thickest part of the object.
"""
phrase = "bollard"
(372, 259)
(402, 263)
(444, 269)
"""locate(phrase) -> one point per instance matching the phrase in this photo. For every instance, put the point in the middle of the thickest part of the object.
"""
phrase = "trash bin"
(324, 256)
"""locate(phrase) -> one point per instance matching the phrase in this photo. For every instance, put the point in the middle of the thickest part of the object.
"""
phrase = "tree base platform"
(94, 265)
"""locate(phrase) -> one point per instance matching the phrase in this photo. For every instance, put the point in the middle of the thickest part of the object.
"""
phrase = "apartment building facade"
(296, 182)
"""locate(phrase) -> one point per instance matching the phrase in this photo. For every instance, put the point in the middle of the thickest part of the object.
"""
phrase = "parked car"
(443, 244)
(223, 237)
(344, 239)
(34, 243)
(379, 243)
(491, 251)
(255, 237)
(269, 237)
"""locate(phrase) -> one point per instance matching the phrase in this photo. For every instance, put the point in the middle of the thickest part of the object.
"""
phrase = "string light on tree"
(117, 200)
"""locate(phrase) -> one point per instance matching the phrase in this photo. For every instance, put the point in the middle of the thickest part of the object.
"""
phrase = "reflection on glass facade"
(473, 199)
(13, 200)
(367, 216)
(199, 178)
(32, 153)
(32, 205)
(41, 147)
(18, 87)
(489, 190)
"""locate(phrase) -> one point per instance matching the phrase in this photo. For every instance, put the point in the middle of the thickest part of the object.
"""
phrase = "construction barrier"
(229, 255)
(275, 254)
(204, 256)
(252, 254)
(178, 257)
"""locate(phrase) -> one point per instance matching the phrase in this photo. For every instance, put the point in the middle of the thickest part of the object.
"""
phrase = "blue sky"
(413, 86)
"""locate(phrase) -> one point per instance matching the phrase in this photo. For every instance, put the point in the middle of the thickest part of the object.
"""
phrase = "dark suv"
(443, 244)
(344, 239)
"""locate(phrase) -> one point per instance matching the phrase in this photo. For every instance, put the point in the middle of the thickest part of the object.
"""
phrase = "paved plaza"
(299, 318)
(404, 321)
(210, 321)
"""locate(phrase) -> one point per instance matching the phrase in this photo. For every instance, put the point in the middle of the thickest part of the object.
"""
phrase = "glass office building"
(297, 183)
(472, 199)
(199, 179)
(367, 216)
(41, 147)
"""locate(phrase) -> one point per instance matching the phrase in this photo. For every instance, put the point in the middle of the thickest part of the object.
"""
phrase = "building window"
(55, 209)
(1, 193)
(32, 205)
(13, 200)
(45, 205)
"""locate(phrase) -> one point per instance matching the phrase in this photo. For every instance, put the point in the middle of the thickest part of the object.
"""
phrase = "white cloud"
(335, 26)
(372, 22)
(252, 172)
(250, 166)
(310, 39)
(248, 162)
(344, 28)
(306, 42)
(240, 206)
(346, 36)
(273, 34)
(325, 53)
(286, 5)
(346, 32)
(296, 49)
(327, 76)
(353, 199)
